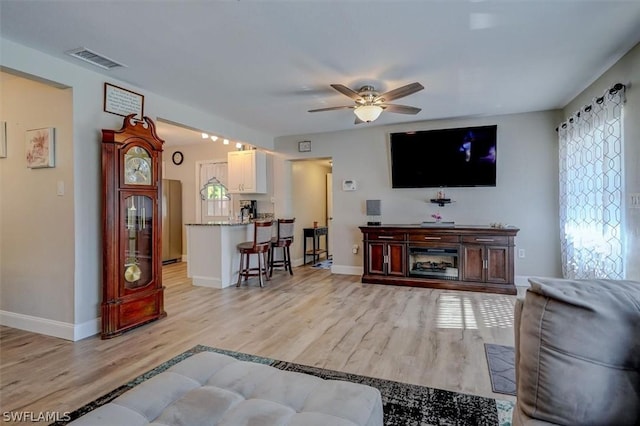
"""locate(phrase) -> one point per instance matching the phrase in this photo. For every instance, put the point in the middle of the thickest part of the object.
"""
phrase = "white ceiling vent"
(94, 58)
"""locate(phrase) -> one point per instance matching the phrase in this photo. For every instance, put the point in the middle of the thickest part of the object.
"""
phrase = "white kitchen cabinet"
(247, 172)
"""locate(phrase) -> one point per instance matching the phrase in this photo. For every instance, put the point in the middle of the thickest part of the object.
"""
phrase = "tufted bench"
(214, 389)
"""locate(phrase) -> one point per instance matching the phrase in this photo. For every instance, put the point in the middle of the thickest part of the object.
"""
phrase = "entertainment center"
(468, 257)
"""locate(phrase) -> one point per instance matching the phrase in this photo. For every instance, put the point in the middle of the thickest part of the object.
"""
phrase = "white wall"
(626, 71)
(88, 119)
(526, 194)
(36, 225)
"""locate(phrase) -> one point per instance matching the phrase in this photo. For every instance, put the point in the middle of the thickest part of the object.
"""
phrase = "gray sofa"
(214, 389)
(578, 353)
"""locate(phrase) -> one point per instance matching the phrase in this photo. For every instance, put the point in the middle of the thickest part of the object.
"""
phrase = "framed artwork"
(3, 139)
(123, 102)
(40, 148)
(304, 146)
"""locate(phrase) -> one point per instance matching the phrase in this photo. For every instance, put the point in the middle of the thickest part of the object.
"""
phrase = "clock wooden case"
(132, 291)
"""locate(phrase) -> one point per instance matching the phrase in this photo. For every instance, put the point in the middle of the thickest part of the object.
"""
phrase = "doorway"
(311, 200)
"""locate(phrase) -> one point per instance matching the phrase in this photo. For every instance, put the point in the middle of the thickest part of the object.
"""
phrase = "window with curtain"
(591, 189)
(216, 201)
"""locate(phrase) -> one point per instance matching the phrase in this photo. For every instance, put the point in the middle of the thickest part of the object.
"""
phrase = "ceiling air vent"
(94, 58)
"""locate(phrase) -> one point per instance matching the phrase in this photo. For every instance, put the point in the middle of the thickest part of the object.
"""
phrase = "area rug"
(403, 404)
(501, 360)
(325, 264)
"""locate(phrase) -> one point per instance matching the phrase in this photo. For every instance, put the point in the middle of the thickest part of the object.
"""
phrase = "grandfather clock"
(132, 292)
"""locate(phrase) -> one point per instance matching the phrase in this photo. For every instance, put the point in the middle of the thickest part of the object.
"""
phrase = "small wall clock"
(177, 158)
(304, 146)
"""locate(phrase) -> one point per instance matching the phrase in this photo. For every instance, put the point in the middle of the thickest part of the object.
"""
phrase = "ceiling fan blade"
(401, 109)
(400, 92)
(347, 92)
(333, 108)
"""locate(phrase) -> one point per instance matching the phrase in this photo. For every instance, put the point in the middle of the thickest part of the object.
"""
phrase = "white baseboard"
(62, 330)
(49, 327)
(521, 280)
(346, 269)
(87, 329)
(206, 282)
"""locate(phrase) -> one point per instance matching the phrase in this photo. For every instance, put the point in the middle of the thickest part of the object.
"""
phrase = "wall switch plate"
(60, 188)
(634, 200)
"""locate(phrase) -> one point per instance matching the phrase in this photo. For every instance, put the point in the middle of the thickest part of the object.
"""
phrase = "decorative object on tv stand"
(441, 199)
(374, 211)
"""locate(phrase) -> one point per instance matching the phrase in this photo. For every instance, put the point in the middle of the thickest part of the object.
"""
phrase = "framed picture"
(304, 146)
(123, 102)
(40, 148)
(3, 139)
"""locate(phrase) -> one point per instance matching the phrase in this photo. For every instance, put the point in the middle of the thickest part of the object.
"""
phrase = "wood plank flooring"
(423, 336)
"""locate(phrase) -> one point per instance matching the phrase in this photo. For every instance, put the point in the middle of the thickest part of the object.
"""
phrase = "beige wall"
(626, 71)
(36, 225)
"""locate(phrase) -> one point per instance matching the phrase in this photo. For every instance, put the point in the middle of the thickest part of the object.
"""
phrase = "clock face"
(137, 167)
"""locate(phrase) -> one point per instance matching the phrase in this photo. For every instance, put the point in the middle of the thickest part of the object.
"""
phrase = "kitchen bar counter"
(212, 256)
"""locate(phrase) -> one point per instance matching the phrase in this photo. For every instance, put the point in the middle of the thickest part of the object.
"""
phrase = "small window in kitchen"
(215, 199)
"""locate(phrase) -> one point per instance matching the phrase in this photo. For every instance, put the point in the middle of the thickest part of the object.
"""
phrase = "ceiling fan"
(369, 104)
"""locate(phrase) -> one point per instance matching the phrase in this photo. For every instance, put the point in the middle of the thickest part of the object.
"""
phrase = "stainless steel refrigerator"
(171, 221)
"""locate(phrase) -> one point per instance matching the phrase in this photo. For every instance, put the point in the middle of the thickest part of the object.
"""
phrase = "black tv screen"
(444, 158)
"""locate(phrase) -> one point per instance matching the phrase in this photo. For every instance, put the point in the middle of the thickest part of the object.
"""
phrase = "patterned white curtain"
(591, 189)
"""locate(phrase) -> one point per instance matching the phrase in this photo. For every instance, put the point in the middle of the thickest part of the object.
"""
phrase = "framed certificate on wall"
(123, 102)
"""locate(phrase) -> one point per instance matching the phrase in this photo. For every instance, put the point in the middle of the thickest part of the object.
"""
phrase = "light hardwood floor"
(422, 336)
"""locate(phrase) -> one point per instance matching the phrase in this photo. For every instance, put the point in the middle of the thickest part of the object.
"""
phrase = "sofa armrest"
(517, 318)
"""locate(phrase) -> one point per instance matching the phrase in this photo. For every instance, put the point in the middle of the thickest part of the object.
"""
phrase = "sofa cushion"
(579, 352)
(214, 389)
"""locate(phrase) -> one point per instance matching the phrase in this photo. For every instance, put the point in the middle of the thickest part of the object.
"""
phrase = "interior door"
(330, 212)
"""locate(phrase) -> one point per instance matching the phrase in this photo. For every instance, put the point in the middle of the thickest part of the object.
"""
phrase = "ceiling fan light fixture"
(368, 113)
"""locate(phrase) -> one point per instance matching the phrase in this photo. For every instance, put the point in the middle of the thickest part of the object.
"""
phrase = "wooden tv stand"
(473, 258)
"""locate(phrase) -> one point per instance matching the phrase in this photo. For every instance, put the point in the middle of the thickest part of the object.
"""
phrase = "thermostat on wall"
(349, 185)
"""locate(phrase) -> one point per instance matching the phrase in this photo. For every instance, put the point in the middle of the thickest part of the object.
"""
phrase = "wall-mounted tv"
(444, 158)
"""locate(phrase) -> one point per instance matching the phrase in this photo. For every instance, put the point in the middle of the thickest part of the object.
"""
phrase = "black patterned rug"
(403, 404)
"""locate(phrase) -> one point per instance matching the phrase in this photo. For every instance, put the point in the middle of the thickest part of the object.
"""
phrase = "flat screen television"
(444, 158)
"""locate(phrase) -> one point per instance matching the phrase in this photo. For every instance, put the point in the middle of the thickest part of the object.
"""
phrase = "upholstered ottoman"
(214, 389)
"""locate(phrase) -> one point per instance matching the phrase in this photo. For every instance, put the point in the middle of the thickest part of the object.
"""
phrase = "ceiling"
(265, 63)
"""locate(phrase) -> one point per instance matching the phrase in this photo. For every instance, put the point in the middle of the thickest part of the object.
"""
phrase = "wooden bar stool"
(283, 240)
(260, 245)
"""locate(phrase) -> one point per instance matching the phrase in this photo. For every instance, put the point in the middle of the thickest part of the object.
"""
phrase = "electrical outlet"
(521, 253)
(355, 249)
